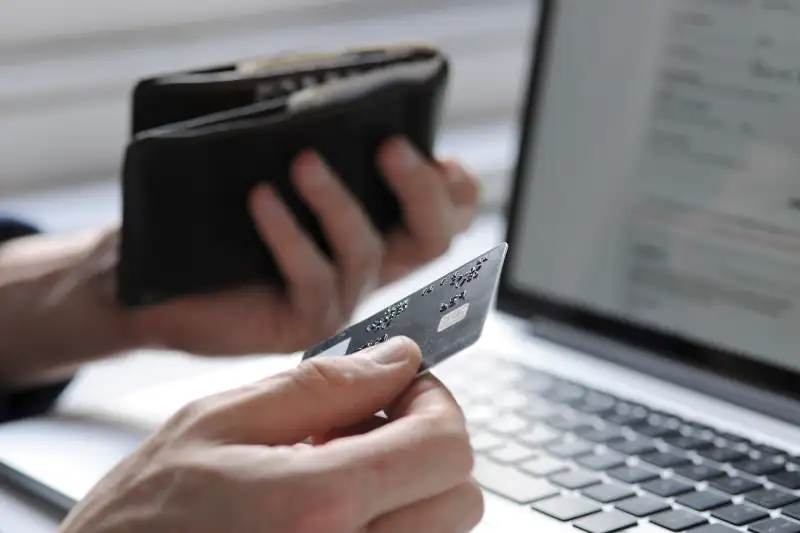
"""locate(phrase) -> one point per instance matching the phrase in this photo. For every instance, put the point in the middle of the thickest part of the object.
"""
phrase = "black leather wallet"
(203, 138)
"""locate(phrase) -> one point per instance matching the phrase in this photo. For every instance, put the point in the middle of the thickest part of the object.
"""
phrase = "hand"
(232, 462)
(438, 200)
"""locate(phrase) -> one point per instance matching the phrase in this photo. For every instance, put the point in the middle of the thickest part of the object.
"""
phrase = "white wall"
(66, 68)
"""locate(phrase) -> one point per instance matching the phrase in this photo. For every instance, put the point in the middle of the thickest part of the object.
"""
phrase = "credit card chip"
(453, 317)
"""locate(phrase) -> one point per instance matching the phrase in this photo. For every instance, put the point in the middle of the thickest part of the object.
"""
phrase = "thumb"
(322, 394)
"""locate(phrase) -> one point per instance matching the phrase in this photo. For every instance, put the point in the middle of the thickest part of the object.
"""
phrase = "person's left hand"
(438, 200)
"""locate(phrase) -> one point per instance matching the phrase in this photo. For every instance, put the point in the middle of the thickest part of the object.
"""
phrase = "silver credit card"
(443, 317)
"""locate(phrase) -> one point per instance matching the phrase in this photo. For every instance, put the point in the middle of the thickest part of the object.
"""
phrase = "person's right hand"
(235, 461)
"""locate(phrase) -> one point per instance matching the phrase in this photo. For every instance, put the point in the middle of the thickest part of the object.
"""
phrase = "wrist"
(58, 307)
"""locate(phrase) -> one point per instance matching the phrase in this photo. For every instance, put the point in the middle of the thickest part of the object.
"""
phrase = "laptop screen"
(660, 178)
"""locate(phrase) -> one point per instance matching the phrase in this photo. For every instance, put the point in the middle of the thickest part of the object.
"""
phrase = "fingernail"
(270, 202)
(409, 157)
(313, 170)
(390, 352)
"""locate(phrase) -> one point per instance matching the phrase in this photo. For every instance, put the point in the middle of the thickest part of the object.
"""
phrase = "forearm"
(57, 307)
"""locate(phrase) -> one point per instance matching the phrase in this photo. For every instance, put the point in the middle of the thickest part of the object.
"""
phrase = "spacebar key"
(510, 483)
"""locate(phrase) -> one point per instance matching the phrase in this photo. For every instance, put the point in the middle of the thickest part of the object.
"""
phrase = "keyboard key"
(786, 478)
(655, 432)
(715, 528)
(608, 522)
(480, 414)
(567, 424)
(602, 435)
(771, 498)
(507, 424)
(564, 393)
(793, 511)
(566, 508)
(570, 449)
(535, 381)
(510, 483)
(574, 480)
(665, 459)
(667, 487)
(636, 446)
(539, 436)
(607, 493)
(699, 472)
(730, 437)
(595, 403)
(483, 442)
(734, 485)
(537, 411)
(632, 474)
(617, 419)
(511, 400)
(759, 467)
(775, 525)
(703, 500)
(601, 461)
(739, 515)
(678, 520)
(544, 467)
(643, 506)
(665, 420)
(699, 431)
(685, 442)
(722, 455)
(511, 453)
(768, 450)
(626, 414)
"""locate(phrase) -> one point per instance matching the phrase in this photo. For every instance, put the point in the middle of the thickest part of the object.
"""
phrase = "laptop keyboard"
(605, 464)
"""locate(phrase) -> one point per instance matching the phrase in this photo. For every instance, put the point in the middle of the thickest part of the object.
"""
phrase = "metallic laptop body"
(652, 277)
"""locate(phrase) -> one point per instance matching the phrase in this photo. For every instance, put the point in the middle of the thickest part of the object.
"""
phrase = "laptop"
(653, 240)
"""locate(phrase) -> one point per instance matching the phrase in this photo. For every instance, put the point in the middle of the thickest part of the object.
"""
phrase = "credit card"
(443, 317)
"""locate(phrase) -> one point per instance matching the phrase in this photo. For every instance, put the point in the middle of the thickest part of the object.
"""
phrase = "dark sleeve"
(16, 404)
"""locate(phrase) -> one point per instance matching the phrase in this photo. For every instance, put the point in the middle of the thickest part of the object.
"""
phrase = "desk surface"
(127, 383)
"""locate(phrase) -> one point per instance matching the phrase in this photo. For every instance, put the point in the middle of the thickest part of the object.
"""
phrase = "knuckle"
(190, 414)
(183, 469)
(288, 240)
(325, 280)
(316, 290)
(369, 256)
(317, 278)
(316, 375)
(202, 418)
(453, 441)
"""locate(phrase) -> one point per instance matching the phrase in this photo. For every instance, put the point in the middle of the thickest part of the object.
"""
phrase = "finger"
(458, 510)
(427, 208)
(310, 276)
(427, 395)
(357, 247)
(464, 190)
(321, 394)
(422, 452)
(366, 426)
